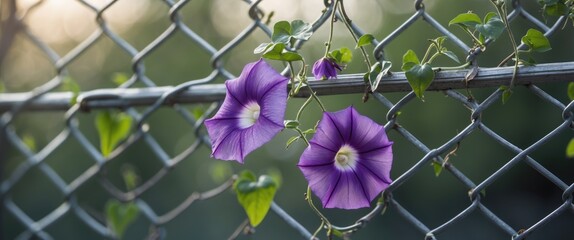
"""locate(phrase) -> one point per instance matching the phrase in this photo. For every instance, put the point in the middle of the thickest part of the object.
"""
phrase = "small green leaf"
(342, 56)
(119, 216)
(420, 78)
(2, 87)
(571, 91)
(30, 142)
(277, 52)
(112, 128)
(291, 140)
(492, 27)
(197, 113)
(309, 131)
(437, 42)
(262, 48)
(220, 171)
(451, 55)
(409, 60)
(68, 84)
(507, 92)
(570, 149)
(557, 9)
(291, 124)
(437, 168)
(131, 179)
(365, 40)
(466, 19)
(338, 233)
(281, 32)
(536, 41)
(120, 78)
(255, 195)
(384, 70)
(301, 30)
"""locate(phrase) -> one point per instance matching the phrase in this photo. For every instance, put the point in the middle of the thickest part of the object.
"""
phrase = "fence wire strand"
(142, 103)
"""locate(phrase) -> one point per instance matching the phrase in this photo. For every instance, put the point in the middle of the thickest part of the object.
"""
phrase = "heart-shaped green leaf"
(113, 127)
(255, 195)
(277, 52)
(466, 19)
(301, 30)
(492, 27)
(120, 215)
(536, 41)
(409, 60)
(420, 78)
(342, 56)
(365, 40)
(281, 32)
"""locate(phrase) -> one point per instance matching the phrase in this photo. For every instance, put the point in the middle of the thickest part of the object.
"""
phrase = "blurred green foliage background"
(521, 197)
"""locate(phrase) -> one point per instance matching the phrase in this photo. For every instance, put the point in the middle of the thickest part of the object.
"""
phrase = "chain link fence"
(53, 188)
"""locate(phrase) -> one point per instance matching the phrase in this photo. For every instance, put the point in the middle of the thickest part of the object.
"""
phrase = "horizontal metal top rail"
(349, 83)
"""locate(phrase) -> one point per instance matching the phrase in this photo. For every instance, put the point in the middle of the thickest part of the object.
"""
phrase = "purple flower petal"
(251, 114)
(325, 68)
(348, 161)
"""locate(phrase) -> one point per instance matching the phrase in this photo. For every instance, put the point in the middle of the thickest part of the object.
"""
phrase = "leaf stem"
(292, 79)
(501, 9)
(324, 220)
(298, 116)
(423, 61)
(433, 57)
(332, 23)
(314, 95)
(302, 135)
(476, 40)
(347, 22)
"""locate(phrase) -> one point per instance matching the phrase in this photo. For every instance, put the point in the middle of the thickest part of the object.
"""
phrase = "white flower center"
(346, 158)
(249, 115)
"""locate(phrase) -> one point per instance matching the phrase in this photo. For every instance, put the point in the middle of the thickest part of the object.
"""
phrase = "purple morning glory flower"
(348, 161)
(325, 68)
(251, 114)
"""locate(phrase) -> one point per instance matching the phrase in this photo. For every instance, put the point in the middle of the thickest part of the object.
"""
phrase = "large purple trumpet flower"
(251, 114)
(348, 161)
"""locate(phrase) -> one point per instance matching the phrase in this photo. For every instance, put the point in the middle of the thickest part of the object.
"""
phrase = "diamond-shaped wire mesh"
(505, 174)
